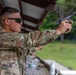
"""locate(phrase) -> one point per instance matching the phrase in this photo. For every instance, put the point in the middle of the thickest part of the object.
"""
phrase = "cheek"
(13, 26)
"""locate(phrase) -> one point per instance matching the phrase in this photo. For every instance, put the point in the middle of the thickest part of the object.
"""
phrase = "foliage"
(50, 21)
(69, 6)
(61, 2)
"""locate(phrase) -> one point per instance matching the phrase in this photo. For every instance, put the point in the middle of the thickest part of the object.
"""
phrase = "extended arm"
(39, 38)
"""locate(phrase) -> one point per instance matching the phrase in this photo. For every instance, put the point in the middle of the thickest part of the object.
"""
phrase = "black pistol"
(66, 18)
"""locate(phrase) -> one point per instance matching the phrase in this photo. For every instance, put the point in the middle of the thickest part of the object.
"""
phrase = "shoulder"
(11, 38)
(11, 34)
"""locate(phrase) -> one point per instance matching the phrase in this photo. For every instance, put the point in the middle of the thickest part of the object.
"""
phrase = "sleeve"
(32, 39)
(38, 38)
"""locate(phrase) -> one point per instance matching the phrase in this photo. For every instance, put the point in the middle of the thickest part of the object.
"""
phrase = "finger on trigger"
(70, 21)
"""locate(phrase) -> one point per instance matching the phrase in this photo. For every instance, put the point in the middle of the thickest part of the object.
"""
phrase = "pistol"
(66, 18)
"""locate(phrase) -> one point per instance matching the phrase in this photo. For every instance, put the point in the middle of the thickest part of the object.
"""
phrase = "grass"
(64, 53)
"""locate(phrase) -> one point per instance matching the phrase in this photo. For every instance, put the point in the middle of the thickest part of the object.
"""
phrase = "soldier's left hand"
(39, 48)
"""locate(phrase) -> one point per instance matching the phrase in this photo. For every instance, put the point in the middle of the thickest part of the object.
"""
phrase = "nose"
(21, 23)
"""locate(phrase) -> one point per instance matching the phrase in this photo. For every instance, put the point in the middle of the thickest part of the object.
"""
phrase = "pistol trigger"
(68, 22)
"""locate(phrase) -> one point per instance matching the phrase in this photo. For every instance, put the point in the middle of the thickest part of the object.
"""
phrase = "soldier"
(13, 45)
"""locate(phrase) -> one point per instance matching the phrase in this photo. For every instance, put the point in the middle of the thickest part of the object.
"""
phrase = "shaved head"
(10, 19)
(7, 11)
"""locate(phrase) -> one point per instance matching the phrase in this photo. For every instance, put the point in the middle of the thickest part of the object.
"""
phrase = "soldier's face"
(15, 22)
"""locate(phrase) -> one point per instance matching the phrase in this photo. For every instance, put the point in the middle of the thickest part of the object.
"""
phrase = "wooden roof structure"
(33, 12)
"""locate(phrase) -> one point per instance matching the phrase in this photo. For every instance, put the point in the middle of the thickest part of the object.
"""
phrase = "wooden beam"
(1, 6)
(24, 31)
(20, 5)
(30, 27)
(2, 3)
(43, 15)
(42, 18)
(40, 3)
(28, 18)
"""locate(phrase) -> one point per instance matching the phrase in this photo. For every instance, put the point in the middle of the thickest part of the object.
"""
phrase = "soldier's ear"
(7, 21)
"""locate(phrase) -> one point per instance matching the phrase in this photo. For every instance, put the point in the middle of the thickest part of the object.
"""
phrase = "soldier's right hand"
(64, 27)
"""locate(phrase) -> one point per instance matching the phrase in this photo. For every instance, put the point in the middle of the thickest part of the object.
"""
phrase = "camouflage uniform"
(13, 47)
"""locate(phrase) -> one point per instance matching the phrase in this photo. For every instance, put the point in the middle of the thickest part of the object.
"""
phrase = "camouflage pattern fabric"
(13, 47)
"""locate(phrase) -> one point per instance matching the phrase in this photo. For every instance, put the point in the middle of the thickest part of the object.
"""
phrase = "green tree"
(50, 21)
(62, 9)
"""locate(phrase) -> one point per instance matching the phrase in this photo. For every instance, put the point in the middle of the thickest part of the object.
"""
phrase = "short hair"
(9, 10)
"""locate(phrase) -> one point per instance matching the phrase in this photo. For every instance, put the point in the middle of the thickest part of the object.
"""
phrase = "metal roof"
(32, 11)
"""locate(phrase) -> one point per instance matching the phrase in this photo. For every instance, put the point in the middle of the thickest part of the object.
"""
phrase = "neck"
(6, 30)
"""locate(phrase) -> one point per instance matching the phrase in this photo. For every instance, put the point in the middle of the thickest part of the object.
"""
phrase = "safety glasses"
(18, 20)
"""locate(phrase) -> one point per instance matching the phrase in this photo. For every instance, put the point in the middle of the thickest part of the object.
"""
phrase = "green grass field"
(64, 53)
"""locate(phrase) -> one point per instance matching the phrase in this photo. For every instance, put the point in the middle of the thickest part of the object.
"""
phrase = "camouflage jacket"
(13, 47)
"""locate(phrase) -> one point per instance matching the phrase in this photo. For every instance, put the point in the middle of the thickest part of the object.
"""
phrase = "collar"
(6, 30)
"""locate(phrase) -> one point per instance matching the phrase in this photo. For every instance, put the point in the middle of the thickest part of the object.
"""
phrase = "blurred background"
(63, 49)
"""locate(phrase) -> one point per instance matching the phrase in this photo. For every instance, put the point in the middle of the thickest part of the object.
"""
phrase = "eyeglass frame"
(20, 19)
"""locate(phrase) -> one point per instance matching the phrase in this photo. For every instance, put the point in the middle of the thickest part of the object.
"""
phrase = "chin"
(18, 31)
